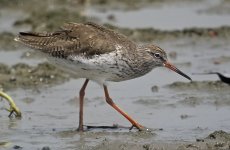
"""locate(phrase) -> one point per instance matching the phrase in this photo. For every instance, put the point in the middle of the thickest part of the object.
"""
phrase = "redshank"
(94, 52)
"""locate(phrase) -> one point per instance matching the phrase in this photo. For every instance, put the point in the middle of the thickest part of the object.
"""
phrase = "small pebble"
(219, 144)
(200, 140)
(212, 33)
(13, 78)
(216, 62)
(27, 54)
(184, 116)
(192, 146)
(40, 79)
(173, 55)
(111, 17)
(52, 76)
(46, 148)
(155, 88)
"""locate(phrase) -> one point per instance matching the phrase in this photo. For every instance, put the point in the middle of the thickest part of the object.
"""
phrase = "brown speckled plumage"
(74, 38)
(97, 53)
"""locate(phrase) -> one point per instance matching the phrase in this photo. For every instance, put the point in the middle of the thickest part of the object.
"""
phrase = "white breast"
(100, 68)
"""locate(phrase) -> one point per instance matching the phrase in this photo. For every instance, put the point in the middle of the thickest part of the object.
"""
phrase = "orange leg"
(81, 102)
(111, 103)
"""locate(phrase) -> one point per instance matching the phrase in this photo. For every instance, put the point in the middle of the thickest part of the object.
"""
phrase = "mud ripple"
(221, 135)
(200, 85)
(7, 41)
(24, 76)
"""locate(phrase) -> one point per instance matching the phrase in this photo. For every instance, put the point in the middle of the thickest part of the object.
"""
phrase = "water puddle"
(14, 57)
(165, 17)
(8, 18)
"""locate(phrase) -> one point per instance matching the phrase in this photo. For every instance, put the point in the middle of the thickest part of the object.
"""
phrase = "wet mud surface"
(24, 76)
(180, 115)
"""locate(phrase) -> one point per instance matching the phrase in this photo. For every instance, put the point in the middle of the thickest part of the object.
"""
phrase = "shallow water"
(166, 16)
(17, 57)
(8, 18)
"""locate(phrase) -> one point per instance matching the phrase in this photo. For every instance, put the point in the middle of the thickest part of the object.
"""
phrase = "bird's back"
(87, 39)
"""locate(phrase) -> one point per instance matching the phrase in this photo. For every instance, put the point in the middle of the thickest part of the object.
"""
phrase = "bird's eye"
(157, 55)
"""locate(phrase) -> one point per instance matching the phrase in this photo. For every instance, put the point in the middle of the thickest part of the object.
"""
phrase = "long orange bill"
(173, 68)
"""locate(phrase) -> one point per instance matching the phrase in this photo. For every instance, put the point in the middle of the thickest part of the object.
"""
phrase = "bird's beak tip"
(173, 68)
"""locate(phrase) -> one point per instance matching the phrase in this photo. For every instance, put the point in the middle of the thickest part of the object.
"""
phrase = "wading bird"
(97, 53)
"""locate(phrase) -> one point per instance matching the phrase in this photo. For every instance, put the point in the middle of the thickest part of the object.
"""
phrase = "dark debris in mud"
(17, 147)
(46, 148)
(25, 76)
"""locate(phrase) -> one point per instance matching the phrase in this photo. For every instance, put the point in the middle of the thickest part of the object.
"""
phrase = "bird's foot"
(139, 127)
(80, 128)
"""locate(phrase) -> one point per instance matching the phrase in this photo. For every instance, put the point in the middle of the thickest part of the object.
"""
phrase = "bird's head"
(159, 58)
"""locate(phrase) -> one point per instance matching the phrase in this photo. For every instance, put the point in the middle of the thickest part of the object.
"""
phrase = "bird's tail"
(35, 40)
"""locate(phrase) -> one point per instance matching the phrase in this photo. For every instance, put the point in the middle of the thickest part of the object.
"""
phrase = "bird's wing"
(76, 39)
